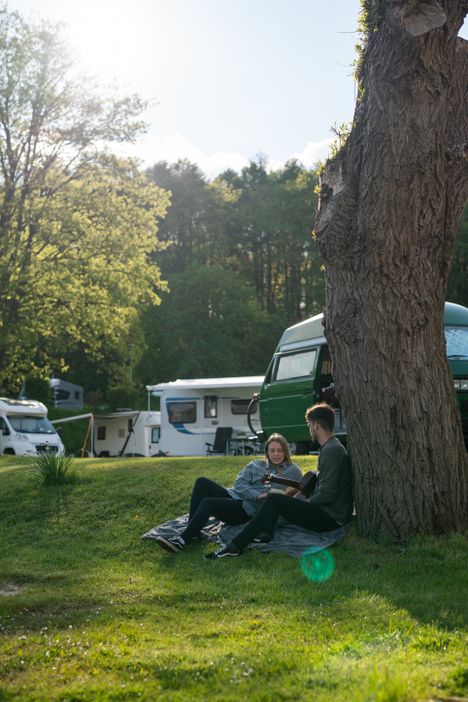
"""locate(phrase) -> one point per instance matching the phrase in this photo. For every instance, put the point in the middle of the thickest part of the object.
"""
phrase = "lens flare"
(317, 564)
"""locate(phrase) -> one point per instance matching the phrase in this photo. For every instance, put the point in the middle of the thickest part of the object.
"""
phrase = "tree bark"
(390, 202)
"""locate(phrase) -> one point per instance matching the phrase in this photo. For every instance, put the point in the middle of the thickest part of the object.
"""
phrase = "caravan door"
(181, 435)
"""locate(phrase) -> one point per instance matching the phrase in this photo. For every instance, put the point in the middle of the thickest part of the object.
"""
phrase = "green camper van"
(300, 373)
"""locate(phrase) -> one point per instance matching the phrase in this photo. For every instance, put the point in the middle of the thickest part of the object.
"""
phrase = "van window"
(155, 435)
(457, 341)
(211, 406)
(101, 433)
(182, 412)
(3, 427)
(296, 365)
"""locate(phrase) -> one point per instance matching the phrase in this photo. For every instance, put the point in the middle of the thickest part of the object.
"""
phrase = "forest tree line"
(114, 276)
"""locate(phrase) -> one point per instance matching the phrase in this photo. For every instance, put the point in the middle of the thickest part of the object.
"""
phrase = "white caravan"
(127, 433)
(25, 429)
(192, 410)
(66, 395)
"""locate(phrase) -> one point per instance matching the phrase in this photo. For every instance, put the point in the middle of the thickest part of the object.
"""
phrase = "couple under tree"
(250, 501)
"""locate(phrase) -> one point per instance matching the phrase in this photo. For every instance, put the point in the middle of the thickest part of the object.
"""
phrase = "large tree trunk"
(389, 207)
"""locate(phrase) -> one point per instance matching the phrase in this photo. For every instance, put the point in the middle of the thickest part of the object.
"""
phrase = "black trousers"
(212, 500)
(293, 510)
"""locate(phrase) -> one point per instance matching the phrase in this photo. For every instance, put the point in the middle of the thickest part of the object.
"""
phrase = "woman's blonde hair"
(279, 438)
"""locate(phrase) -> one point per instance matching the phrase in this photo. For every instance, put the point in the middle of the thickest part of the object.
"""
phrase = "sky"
(228, 80)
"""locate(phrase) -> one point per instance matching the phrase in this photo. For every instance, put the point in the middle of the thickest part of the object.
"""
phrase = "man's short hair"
(323, 414)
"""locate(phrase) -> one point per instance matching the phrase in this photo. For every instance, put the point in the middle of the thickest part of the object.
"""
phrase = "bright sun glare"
(109, 37)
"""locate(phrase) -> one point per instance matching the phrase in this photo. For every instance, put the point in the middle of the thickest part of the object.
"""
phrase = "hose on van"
(250, 411)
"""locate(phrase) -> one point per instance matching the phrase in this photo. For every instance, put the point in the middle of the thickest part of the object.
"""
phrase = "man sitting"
(328, 507)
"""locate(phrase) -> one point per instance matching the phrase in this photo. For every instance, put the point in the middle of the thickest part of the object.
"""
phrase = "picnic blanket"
(287, 538)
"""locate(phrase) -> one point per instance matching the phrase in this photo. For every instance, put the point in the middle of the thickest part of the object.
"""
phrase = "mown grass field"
(89, 611)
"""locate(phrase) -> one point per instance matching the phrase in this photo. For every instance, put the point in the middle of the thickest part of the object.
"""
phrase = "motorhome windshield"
(457, 342)
(26, 424)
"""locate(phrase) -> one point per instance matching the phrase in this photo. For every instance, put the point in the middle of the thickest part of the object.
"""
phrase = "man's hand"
(291, 492)
(262, 496)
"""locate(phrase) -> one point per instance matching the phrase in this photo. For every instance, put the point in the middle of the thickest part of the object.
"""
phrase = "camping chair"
(221, 441)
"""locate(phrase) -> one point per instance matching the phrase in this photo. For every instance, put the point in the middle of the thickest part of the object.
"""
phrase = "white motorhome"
(192, 410)
(127, 433)
(25, 429)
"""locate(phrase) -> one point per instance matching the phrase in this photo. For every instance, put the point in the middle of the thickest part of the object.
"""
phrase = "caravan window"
(296, 365)
(241, 407)
(155, 435)
(182, 412)
(211, 406)
(61, 394)
(101, 433)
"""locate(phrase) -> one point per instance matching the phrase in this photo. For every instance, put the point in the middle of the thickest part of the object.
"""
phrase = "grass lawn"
(89, 611)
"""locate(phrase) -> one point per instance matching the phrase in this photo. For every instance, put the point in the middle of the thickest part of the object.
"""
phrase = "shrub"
(56, 470)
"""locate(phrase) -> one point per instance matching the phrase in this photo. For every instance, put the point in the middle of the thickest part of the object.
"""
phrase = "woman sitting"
(236, 505)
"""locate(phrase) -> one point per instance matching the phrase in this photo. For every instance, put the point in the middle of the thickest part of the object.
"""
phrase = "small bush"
(56, 470)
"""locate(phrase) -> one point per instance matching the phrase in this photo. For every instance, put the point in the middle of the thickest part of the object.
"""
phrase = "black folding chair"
(221, 441)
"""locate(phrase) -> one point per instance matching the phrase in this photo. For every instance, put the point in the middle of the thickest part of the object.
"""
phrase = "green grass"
(52, 469)
(90, 612)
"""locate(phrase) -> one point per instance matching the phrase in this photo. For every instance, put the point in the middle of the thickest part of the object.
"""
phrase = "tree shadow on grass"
(426, 579)
(79, 531)
(385, 587)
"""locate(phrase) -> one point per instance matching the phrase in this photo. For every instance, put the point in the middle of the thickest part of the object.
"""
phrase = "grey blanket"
(287, 538)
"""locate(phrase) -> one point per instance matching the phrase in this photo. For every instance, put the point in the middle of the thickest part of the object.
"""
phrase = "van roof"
(455, 314)
(311, 328)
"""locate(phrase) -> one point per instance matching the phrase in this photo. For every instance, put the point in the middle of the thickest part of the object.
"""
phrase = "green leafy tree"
(191, 221)
(258, 223)
(209, 325)
(248, 234)
(268, 232)
(77, 226)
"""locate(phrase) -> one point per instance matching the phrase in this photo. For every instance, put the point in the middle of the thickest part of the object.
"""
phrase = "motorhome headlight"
(461, 384)
(21, 437)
